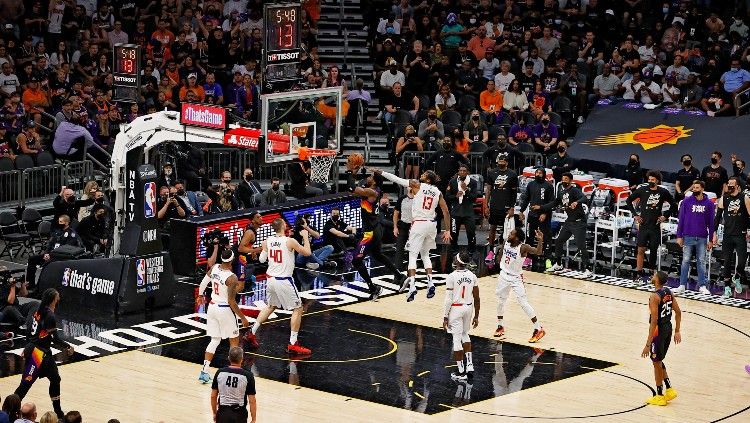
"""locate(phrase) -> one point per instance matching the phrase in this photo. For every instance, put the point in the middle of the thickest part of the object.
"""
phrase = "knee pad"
(457, 344)
(211, 348)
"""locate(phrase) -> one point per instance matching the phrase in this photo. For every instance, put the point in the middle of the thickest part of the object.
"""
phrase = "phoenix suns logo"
(647, 138)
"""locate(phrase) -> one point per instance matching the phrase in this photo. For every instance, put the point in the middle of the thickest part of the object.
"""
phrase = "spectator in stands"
(28, 410)
(11, 310)
(570, 198)
(574, 87)
(452, 31)
(73, 417)
(410, 142)
(65, 114)
(49, 417)
(35, 98)
(491, 103)
(520, 132)
(400, 100)
(444, 100)
(715, 176)
(431, 130)
(489, 65)
(167, 177)
(504, 78)
(71, 140)
(65, 235)
(736, 79)
(29, 141)
(538, 100)
(606, 85)
(650, 92)
(480, 43)
(89, 191)
(299, 175)
(591, 54)
(467, 81)
(695, 230)
(545, 136)
(67, 204)
(446, 162)
(6, 145)
(319, 256)
(9, 82)
(93, 230)
(547, 43)
(14, 114)
(670, 93)
(561, 162)
(193, 169)
(515, 101)
(461, 194)
(692, 92)
(189, 200)
(248, 190)
(462, 55)
(12, 407)
(391, 76)
(338, 233)
(273, 196)
(211, 88)
(716, 102)
(475, 130)
(417, 65)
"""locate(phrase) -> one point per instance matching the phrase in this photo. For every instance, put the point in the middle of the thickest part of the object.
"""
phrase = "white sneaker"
(704, 290)
(586, 274)
(580, 119)
(469, 368)
(679, 290)
(555, 268)
(313, 266)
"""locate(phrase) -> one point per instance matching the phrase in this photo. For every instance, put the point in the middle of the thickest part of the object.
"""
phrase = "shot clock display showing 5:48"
(127, 72)
(283, 28)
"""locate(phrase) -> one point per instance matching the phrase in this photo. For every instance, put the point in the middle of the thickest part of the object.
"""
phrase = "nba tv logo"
(66, 276)
(149, 200)
(140, 272)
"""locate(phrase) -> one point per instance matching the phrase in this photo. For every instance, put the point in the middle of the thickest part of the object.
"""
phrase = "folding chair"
(12, 234)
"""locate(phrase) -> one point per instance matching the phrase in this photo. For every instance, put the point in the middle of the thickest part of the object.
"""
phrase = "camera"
(227, 191)
(216, 234)
(6, 278)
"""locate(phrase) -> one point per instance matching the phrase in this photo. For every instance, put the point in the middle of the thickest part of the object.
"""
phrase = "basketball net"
(320, 163)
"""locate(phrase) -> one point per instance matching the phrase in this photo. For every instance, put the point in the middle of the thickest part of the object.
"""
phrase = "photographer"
(66, 236)
(11, 310)
(215, 242)
(338, 234)
(318, 257)
(226, 198)
(169, 207)
(93, 230)
(248, 248)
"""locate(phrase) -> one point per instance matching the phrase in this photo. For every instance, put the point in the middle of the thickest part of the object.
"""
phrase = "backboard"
(306, 118)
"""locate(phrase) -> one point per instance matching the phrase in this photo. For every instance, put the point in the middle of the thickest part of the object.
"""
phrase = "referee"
(232, 389)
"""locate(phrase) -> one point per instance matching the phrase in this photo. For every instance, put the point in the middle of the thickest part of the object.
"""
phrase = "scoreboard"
(127, 72)
(282, 40)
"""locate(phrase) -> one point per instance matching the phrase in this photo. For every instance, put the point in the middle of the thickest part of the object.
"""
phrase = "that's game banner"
(187, 249)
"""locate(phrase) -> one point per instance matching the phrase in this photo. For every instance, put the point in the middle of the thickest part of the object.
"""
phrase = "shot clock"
(282, 36)
(127, 72)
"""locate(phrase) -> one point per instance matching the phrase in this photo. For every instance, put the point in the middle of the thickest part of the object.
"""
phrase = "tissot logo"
(125, 79)
(278, 57)
(202, 115)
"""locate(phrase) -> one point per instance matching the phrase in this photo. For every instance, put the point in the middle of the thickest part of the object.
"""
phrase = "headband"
(458, 259)
(228, 260)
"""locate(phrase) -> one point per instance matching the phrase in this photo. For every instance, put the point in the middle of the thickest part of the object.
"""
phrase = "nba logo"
(66, 276)
(149, 200)
(140, 272)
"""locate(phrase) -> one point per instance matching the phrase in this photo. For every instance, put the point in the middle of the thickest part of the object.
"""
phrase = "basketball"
(655, 135)
(355, 161)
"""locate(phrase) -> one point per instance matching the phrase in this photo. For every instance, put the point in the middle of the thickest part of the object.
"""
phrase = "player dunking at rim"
(511, 277)
(278, 250)
(661, 304)
(461, 292)
(221, 316)
(423, 230)
(38, 358)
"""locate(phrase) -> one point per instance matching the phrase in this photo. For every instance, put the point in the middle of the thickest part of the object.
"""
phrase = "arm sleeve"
(263, 256)
(396, 180)
(448, 295)
(204, 283)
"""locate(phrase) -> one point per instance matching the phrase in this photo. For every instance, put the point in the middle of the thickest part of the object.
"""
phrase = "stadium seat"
(451, 118)
(6, 164)
(24, 162)
(45, 159)
(13, 235)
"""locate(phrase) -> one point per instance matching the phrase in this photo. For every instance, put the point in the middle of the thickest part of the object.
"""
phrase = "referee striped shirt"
(234, 385)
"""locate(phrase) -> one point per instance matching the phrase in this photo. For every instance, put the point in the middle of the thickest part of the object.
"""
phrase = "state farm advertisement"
(242, 138)
(203, 115)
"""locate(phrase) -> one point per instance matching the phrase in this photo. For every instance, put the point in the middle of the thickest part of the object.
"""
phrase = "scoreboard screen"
(282, 36)
(127, 72)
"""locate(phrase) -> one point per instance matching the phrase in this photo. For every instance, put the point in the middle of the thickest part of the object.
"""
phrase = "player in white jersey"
(461, 292)
(514, 253)
(222, 313)
(278, 250)
(423, 230)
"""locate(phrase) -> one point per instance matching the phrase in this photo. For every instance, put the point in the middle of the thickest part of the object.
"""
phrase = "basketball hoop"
(321, 161)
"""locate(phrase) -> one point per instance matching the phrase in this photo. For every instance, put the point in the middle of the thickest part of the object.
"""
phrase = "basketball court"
(392, 360)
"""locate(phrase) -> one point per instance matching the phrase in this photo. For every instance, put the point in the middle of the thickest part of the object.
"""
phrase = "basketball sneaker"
(298, 349)
(251, 340)
(555, 268)
(537, 335)
(657, 400)
(727, 292)
(670, 394)
(431, 292)
(411, 296)
(204, 377)
(737, 284)
(587, 274)
(404, 284)
(500, 331)
(459, 377)
(375, 295)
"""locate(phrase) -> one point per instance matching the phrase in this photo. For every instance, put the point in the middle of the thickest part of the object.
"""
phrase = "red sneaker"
(499, 332)
(251, 340)
(298, 349)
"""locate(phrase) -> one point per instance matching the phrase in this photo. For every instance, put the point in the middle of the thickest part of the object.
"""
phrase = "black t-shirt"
(404, 102)
(503, 189)
(328, 237)
(527, 82)
(550, 82)
(735, 214)
(715, 178)
(651, 203)
(686, 177)
(595, 49)
(475, 131)
(418, 73)
(42, 326)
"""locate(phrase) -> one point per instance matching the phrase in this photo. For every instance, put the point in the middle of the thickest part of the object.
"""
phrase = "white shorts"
(506, 282)
(422, 235)
(221, 322)
(459, 319)
(282, 293)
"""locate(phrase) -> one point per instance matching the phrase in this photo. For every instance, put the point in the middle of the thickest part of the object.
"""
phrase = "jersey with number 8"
(425, 202)
(280, 257)
(219, 290)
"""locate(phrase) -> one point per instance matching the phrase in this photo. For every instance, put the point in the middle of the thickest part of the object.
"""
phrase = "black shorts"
(497, 217)
(649, 236)
(231, 414)
(38, 364)
(660, 343)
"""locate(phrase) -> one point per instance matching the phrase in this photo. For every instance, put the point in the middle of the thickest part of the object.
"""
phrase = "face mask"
(472, 21)
(521, 123)
(545, 121)
(566, 184)
(502, 145)
(561, 149)
(735, 70)
(100, 200)
(539, 178)
(180, 192)
(248, 178)
(502, 166)
(446, 146)
(633, 162)
(71, 199)
(687, 162)
(275, 187)
(432, 117)
(558, 21)
(714, 160)
(475, 118)
(651, 184)
(167, 172)
(580, 24)
(665, 10)
(335, 218)
(390, 30)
